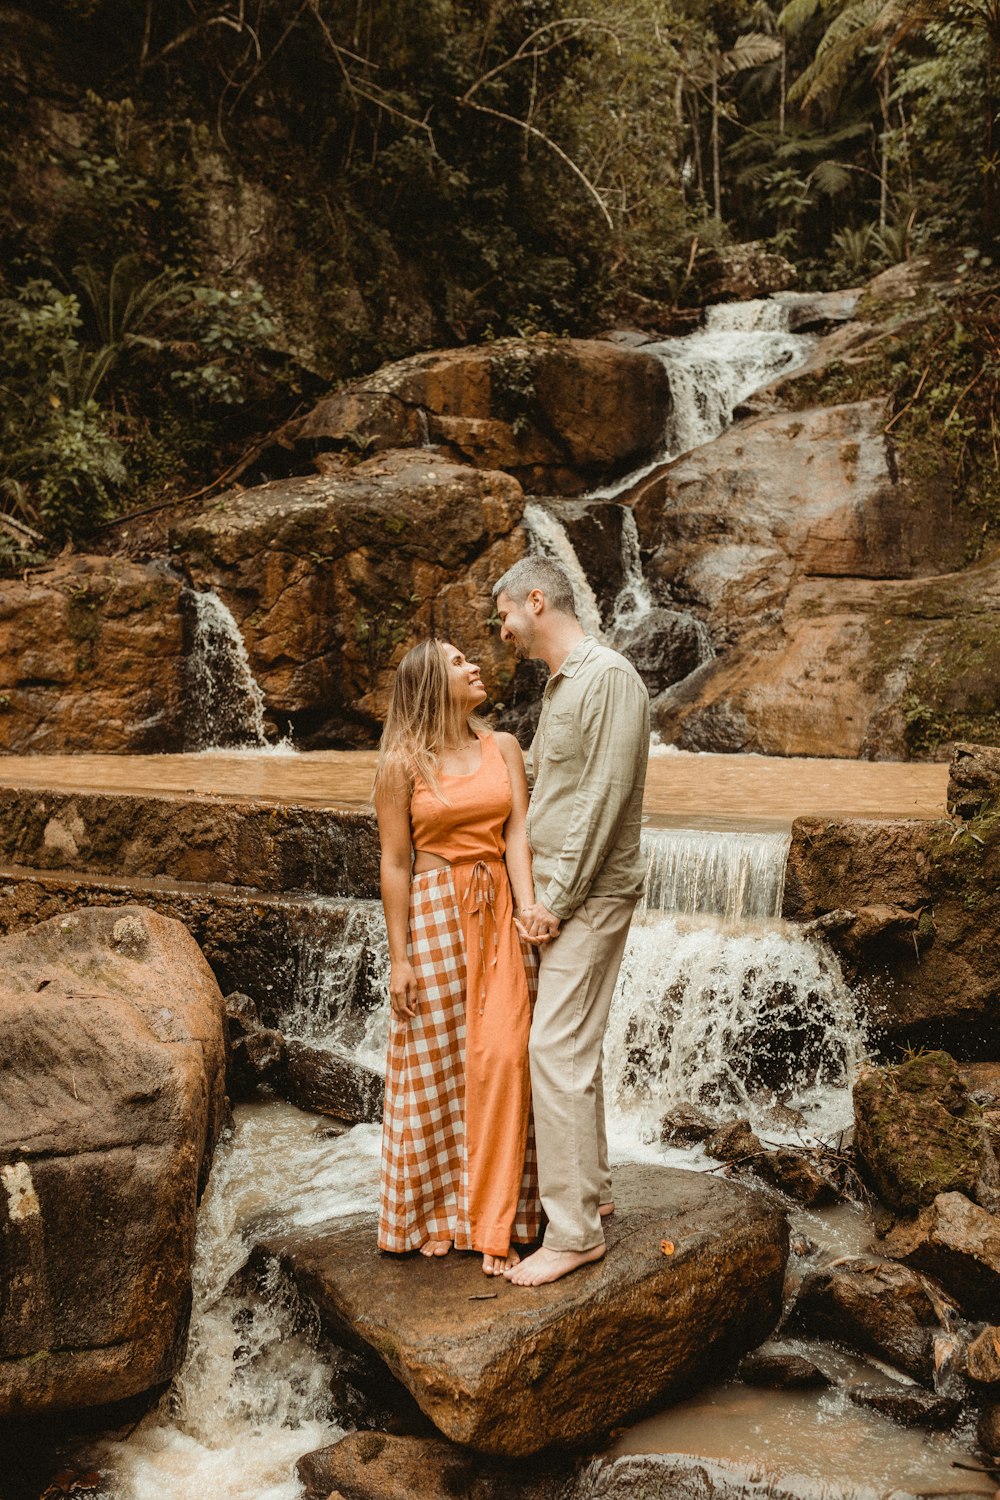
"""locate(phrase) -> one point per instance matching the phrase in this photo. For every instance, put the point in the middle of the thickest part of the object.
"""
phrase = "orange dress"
(458, 1157)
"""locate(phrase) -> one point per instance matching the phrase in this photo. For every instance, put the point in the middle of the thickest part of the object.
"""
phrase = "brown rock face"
(959, 1243)
(557, 1368)
(983, 1358)
(91, 658)
(917, 1131)
(796, 535)
(930, 973)
(112, 1073)
(378, 1466)
(558, 414)
(331, 578)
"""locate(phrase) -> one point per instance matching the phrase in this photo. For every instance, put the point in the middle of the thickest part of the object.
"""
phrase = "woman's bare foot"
(606, 1209)
(549, 1265)
(435, 1247)
(496, 1265)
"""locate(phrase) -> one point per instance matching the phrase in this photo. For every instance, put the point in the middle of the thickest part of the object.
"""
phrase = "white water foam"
(342, 980)
(634, 601)
(254, 1391)
(743, 346)
(226, 701)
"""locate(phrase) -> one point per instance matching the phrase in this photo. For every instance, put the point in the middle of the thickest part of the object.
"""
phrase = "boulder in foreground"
(112, 1075)
(692, 1280)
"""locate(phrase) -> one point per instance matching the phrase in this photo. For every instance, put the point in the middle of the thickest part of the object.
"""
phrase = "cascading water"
(225, 700)
(743, 346)
(342, 980)
(736, 876)
(547, 537)
(634, 601)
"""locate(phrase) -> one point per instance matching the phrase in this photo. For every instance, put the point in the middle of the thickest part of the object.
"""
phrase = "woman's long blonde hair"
(421, 721)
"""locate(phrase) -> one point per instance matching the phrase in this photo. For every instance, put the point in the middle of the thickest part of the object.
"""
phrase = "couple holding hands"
(507, 916)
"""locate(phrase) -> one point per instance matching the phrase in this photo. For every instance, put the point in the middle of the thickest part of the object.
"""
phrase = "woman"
(451, 796)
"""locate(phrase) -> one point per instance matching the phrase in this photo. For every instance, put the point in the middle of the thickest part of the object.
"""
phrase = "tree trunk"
(883, 173)
(784, 86)
(716, 175)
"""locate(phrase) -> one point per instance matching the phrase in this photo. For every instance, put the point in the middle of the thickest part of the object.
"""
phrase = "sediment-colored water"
(693, 790)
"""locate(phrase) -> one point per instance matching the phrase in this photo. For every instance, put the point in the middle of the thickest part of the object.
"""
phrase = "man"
(587, 766)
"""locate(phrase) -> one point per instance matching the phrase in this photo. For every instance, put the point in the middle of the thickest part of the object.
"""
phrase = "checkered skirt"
(424, 1189)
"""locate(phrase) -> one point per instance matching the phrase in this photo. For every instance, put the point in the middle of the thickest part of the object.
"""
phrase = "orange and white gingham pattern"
(423, 1191)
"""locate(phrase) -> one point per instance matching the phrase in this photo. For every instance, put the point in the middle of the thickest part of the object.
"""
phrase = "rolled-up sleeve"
(615, 740)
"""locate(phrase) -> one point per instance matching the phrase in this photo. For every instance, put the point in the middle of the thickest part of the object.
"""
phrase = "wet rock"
(943, 989)
(692, 1280)
(332, 577)
(111, 1099)
(558, 414)
(743, 272)
(377, 1466)
(257, 1053)
(815, 312)
(734, 1142)
(958, 1243)
(685, 1124)
(910, 1407)
(91, 658)
(781, 1372)
(917, 1131)
(664, 646)
(982, 1358)
(330, 1083)
(876, 1307)
(796, 1174)
(988, 1431)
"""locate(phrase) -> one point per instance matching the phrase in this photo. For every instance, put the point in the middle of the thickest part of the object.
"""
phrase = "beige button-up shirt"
(587, 770)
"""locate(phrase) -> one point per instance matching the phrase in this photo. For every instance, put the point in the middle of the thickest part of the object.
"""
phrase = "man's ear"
(536, 599)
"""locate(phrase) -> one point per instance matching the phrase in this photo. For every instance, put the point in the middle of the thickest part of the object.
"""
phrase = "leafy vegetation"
(210, 212)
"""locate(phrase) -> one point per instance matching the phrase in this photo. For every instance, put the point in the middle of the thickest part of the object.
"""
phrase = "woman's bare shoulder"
(507, 744)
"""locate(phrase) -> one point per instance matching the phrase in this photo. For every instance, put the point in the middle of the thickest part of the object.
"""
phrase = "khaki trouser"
(576, 981)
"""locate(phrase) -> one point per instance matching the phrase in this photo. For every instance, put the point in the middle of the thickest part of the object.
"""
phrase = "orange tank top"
(470, 825)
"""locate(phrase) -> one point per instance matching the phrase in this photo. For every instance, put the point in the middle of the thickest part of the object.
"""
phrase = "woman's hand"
(403, 989)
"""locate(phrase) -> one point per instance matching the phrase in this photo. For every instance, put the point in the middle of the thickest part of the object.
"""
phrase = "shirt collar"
(576, 658)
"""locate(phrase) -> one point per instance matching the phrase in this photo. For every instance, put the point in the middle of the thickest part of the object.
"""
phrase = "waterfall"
(634, 601)
(736, 876)
(226, 703)
(342, 979)
(743, 346)
(548, 538)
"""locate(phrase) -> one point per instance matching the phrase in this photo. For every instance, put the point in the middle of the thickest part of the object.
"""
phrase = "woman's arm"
(518, 855)
(392, 806)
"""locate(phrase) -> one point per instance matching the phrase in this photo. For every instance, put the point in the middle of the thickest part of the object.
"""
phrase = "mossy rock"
(917, 1131)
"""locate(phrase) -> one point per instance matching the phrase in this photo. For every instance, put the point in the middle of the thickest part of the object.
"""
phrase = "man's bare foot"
(435, 1247)
(549, 1265)
(496, 1265)
(606, 1209)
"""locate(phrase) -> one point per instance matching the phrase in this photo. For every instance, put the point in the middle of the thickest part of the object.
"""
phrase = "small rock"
(910, 1407)
(242, 1015)
(875, 1306)
(988, 1430)
(331, 1083)
(983, 1358)
(377, 1466)
(958, 1243)
(685, 1125)
(734, 1142)
(797, 1175)
(781, 1372)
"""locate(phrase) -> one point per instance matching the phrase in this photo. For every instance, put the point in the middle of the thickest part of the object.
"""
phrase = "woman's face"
(464, 681)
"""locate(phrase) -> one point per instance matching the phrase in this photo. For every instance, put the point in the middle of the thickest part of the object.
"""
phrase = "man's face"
(518, 622)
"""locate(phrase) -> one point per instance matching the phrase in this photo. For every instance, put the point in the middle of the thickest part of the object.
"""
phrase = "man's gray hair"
(538, 573)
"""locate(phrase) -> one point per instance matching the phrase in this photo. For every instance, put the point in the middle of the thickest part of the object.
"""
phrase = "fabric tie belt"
(479, 900)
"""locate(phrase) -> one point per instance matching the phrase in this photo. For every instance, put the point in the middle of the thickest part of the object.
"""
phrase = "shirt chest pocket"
(561, 737)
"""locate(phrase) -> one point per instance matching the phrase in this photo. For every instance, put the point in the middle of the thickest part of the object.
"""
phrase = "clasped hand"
(536, 924)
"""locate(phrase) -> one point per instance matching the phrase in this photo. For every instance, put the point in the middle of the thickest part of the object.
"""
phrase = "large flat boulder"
(692, 1280)
(112, 1073)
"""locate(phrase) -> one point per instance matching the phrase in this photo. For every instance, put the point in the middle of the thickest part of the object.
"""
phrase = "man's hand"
(403, 989)
(539, 924)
